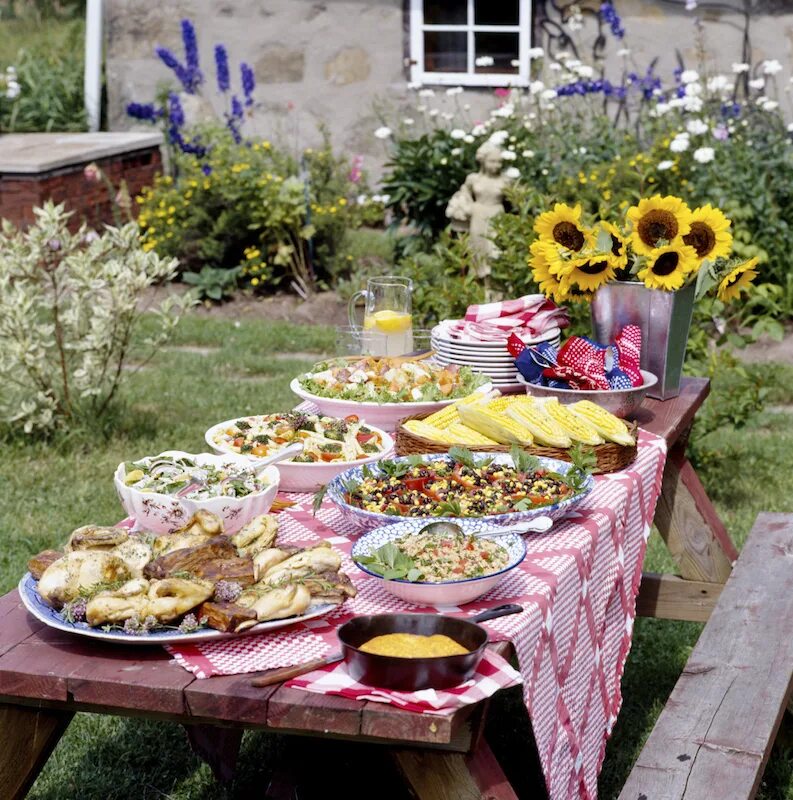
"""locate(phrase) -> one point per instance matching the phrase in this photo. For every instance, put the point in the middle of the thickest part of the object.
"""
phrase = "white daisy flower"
(757, 83)
(383, 132)
(771, 67)
(665, 165)
(484, 61)
(696, 127)
(704, 154)
(509, 155)
(689, 76)
(536, 52)
(512, 172)
(457, 133)
(740, 66)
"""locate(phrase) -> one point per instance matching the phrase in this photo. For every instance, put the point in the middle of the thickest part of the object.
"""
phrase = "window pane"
(502, 48)
(445, 12)
(445, 51)
(496, 12)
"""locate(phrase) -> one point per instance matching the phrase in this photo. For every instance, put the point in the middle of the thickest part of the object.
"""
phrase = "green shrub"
(246, 206)
(51, 87)
(70, 306)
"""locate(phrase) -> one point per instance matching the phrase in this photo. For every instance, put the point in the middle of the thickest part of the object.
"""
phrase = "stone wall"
(337, 61)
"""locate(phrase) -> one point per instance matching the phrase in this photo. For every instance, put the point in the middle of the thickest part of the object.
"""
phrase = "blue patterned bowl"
(443, 593)
(368, 520)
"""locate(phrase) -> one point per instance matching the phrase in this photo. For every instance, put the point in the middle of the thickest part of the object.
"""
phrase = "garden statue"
(477, 201)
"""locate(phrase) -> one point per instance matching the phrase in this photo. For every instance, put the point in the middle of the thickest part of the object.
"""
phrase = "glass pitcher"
(387, 320)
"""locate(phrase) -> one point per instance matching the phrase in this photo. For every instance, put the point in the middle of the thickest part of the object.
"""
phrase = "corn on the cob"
(606, 424)
(545, 429)
(420, 428)
(443, 418)
(462, 434)
(576, 427)
(500, 403)
(495, 426)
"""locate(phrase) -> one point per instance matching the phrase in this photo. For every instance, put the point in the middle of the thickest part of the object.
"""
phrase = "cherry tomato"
(239, 441)
(363, 438)
(329, 456)
(415, 484)
(351, 418)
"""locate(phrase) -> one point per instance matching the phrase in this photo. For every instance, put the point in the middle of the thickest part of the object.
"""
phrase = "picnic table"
(46, 675)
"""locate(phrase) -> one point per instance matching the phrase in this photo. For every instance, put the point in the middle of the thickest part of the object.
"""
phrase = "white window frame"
(469, 78)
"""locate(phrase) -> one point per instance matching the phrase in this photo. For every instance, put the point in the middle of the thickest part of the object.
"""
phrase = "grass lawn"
(217, 369)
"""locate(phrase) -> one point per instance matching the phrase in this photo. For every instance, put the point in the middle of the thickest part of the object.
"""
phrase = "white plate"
(383, 415)
(301, 477)
(50, 617)
(441, 334)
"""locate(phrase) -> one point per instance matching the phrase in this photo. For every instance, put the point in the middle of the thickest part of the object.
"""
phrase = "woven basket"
(610, 456)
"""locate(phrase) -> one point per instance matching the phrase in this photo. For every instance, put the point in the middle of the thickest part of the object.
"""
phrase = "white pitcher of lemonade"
(387, 321)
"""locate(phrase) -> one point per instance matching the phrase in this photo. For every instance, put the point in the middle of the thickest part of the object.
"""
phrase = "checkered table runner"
(577, 585)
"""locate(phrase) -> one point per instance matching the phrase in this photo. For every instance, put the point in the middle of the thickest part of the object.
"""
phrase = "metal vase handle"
(351, 307)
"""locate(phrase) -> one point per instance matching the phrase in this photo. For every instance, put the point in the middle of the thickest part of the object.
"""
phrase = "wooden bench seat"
(713, 738)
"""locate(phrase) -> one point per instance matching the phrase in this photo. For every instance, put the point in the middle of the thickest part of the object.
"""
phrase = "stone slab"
(35, 153)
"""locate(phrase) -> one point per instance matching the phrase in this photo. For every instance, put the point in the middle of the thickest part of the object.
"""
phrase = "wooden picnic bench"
(46, 676)
(714, 736)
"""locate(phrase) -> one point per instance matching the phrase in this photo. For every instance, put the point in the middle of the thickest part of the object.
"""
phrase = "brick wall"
(90, 200)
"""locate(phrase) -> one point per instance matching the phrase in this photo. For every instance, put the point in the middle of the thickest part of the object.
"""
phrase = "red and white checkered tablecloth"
(577, 585)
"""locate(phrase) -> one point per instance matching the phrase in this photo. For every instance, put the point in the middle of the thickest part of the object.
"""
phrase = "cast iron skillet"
(411, 674)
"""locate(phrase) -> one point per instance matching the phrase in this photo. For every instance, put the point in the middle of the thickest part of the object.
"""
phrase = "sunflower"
(563, 226)
(619, 246)
(588, 272)
(737, 280)
(668, 266)
(710, 233)
(658, 221)
(540, 263)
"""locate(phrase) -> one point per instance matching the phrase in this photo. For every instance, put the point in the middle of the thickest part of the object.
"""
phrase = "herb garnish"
(390, 562)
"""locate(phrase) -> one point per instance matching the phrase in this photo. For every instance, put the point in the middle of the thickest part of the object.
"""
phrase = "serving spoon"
(536, 525)
(294, 449)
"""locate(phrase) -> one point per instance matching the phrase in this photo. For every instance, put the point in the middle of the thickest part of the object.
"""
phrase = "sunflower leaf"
(603, 243)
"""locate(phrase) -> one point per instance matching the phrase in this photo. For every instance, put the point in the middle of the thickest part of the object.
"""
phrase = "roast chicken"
(229, 582)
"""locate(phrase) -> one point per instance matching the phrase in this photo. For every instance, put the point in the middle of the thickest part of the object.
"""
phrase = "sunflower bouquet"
(663, 244)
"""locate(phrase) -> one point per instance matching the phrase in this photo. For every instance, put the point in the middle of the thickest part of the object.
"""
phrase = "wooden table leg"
(27, 737)
(219, 747)
(454, 776)
(685, 517)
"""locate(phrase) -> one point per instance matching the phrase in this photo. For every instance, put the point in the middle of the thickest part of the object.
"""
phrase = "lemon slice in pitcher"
(388, 321)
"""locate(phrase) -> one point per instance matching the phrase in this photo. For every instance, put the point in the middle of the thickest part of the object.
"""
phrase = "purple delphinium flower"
(237, 110)
(175, 110)
(610, 16)
(248, 83)
(190, 46)
(222, 68)
(172, 62)
(144, 111)
(206, 169)
(189, 74)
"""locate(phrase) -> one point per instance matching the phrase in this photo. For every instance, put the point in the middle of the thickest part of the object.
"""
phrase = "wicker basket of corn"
(543, 427)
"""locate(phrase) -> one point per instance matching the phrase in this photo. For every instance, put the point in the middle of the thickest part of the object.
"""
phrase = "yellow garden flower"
(656, 221)
(619, 246)
(588, 272)
(710, 233)
(667, 267)
(540, 267)
(737, 280)
(563, 226)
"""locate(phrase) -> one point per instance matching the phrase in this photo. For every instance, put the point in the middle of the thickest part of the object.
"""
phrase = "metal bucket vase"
(664, 319)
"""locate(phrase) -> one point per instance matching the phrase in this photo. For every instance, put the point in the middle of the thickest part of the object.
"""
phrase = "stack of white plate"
(491, 358)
